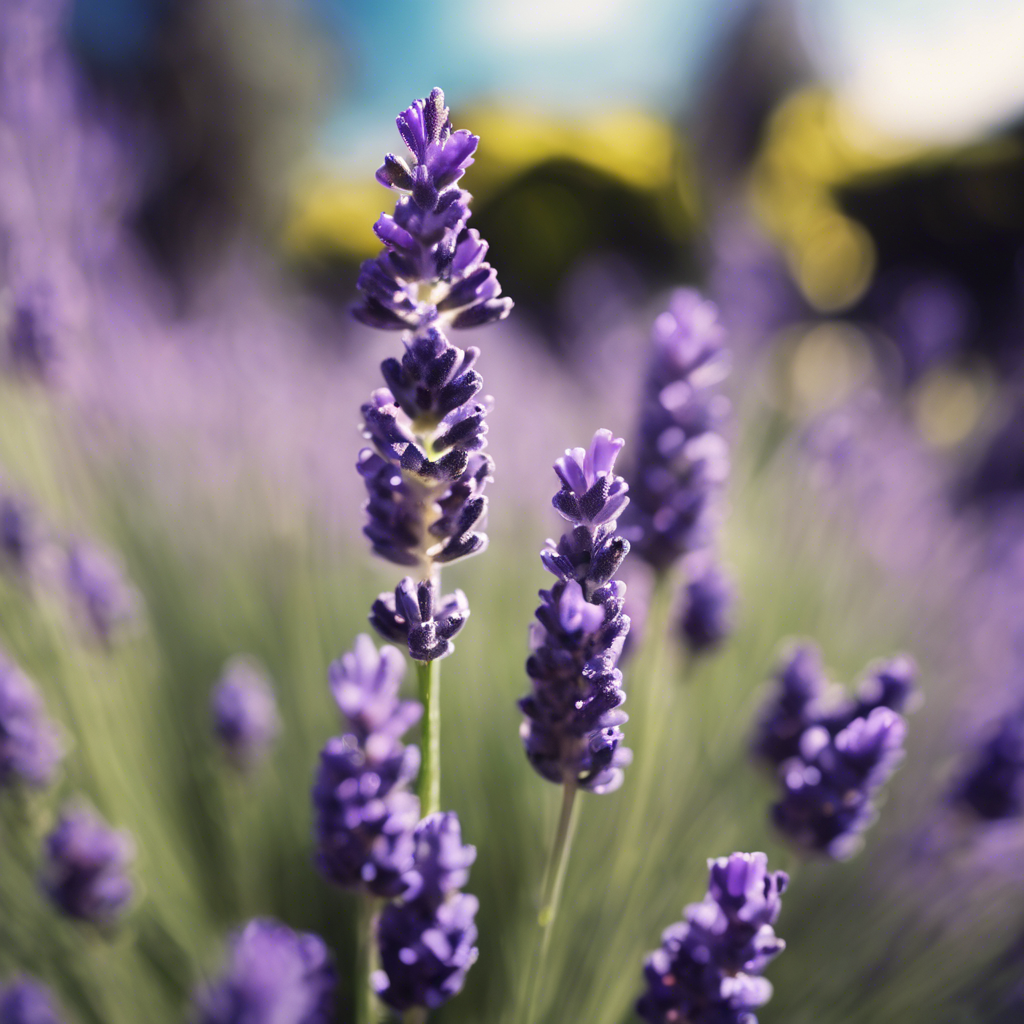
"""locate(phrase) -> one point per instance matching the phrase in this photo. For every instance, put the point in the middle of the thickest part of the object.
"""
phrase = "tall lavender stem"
(428, 786)
(554, 880)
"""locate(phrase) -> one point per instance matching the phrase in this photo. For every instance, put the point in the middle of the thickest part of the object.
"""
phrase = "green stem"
(428, 675)
(417, 1015)
(554, 879)
(366, 960)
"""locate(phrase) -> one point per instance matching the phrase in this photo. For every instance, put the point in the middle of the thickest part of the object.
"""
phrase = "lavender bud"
(427, 942)
(273, 976)
(27, 1002)
(571, 732)
(86, 867)
(681, 461)
(993, 787)
(19, 534)
(708, 600)
(244, 712)
(31, 336)
(30, 747)
(708, 968)
(364, 814)
(416, 616)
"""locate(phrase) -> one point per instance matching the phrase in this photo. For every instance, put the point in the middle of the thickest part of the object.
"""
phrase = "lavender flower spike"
(571, 733)
(30, 747)
(427, 942)
(364, 813)
(681, 460)
(274, 976)
(993, 787)
(244, 712)
(27, 1002)
(86, 867)
(708, 969)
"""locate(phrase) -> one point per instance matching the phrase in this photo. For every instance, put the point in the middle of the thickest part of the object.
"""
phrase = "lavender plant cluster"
(832, 752)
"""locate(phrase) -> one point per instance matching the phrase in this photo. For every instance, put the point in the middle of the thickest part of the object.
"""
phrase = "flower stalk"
(428, 674)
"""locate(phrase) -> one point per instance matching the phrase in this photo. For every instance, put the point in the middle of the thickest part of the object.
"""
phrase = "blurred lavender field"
(186, 194)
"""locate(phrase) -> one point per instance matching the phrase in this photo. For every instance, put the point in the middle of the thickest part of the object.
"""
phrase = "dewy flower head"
(571, 733)
(274, 976)
(681, 461)
(432, 270)
(86, 867)
(30, 747)
(708, 968)
(25, 1001)
(427, 942)
(244, 712)
(365, 815)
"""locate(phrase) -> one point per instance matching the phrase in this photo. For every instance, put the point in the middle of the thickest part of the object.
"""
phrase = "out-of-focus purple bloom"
(708, 969)
(427, 941)
(414, 615)
(27, 1002)
(99, 589)
(681, 461)
(86, 867)
(273, 976)
(244, 712)
(432, 270)
(829, 788)
(30, 747)
(31, 349)
(805, 698)
(365, 815)
(571, 733)
(365, 685)
(993, 787)
(19, 532)
(832, 752)
(708, 599)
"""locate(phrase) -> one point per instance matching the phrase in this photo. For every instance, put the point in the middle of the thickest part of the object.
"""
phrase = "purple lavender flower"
(571, 733)
(30, 747)
(31, 345)
(708, 969)
(19, 533)
(415, 616)
(707, 606)
(274, 976)
(681, 460)
(993, 787)
(427, 941)
(365, 815)
(244, 712)
(86, 868)
(426, 473)
(833, 752)
(432, 270)
(828, 789)
(27, 1002)
(801, 685)
(99, 589)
